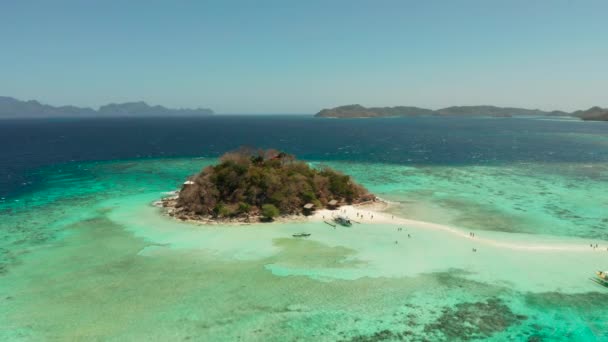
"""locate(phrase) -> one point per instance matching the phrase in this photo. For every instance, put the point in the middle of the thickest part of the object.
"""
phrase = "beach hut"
(308, 208)
(333, 204)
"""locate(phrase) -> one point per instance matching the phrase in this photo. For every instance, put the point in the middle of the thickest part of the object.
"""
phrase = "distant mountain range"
(358, 111)
(13, 108)
(16, 109)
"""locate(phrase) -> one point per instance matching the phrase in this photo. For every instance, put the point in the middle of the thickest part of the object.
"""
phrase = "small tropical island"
(261, 185)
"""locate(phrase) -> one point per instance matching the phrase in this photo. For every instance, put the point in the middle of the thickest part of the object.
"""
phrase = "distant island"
(261, 185)
(358, 111)
(593, 114)
(11, 108)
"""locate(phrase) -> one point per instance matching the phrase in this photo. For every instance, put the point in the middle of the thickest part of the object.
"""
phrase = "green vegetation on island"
(261, 184)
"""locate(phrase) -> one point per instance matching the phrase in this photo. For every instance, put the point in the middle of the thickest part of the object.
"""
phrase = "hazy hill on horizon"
(359, 111)
(15, 109)
(12, 108)
(593, 114)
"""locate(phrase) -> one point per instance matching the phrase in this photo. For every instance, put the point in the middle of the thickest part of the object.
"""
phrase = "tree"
(221, 210)
(269, 212)
(244, 208)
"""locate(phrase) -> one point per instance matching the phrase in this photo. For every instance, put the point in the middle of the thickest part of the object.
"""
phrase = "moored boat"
(602, 278)
(343, 221)
(301, 235)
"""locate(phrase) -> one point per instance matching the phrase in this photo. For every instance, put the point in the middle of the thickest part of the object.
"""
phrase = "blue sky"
(301, 56)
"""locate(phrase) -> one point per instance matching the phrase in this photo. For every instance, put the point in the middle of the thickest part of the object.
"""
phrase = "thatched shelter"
(308, 208)
(333, 204)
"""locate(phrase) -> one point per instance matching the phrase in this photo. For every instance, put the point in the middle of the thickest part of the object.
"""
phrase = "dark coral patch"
(468, 321)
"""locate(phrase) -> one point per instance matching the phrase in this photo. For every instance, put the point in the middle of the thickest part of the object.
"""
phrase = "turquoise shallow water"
(84, 256)
(555, 199)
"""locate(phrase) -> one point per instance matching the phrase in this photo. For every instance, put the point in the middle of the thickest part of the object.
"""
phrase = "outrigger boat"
(301, 235)
(343, 221)
(602, 278)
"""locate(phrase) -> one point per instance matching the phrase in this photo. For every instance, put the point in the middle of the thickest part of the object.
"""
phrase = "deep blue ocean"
(26, 145)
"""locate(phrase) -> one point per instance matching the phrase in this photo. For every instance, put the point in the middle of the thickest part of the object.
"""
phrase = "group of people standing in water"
(596, 246)
(399, 229)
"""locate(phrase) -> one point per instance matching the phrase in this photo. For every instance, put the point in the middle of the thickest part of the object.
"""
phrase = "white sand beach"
(373, 213)
(377, 248)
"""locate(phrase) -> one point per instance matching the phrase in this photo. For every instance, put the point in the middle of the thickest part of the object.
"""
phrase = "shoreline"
(168, 208)
(378, 216)
(375, 213)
